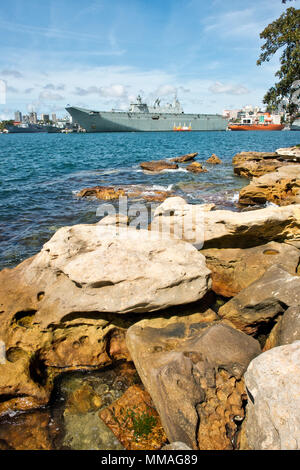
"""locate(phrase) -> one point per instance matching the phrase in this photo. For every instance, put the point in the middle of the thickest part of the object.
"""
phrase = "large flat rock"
(227, 229)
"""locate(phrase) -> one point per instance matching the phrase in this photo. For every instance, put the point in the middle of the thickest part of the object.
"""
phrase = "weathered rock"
(256, 308)
(117, 220)
(281, 187)
(196, 167)
(180, 206)
(31, 431)
(83, 400)
(130, 191)
(286, 330)
(214, 160)
(115, 271)
(52, 321)
(227, 229)
(158, 165)
(134, 420)
(273, 410)
(233, 269)
(290, 153)
(102, 192)
(249, 164)
(184, 158)
(208, 361)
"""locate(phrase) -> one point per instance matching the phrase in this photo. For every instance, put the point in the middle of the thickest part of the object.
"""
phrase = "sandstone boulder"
(273, 411)
(193, 372)
(281, 187)
(286, 330)
(256, 308)
(196, 167)
(227, 229)
(290, 153)
(233, 269)
(102, 192)
(117, 271)
(255, 164)
(214, 160)
(158, 165)
(184, 158)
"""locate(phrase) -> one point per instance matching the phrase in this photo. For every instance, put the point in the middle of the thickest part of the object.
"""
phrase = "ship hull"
(256, 127)
(105, 121)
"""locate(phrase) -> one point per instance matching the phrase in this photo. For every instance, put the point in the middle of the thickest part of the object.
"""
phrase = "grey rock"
(273, 411)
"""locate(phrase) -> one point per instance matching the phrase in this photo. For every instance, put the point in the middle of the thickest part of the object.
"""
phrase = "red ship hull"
(256, 127)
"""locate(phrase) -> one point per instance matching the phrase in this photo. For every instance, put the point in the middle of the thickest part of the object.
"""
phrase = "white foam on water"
(234, 198)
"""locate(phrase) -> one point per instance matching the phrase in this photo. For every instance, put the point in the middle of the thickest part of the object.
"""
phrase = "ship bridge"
(169, 108)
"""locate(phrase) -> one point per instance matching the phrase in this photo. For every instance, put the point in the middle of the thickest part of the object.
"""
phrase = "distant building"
(33, 118)
(45, 117)
(54, 119)
(18, 116)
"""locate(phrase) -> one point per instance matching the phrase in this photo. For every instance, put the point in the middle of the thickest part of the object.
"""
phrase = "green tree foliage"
(3, 124)
(283, 34)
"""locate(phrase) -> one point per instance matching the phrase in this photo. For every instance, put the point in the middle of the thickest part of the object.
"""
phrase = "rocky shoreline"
(203, 304)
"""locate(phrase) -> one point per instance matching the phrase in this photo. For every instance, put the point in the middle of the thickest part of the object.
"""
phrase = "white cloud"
(49, 96)
(11, 73)
(229, 89)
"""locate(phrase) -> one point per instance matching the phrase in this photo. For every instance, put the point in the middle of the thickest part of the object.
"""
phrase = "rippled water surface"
(41, 173)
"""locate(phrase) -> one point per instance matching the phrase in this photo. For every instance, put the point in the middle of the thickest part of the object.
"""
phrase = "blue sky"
(102, 53)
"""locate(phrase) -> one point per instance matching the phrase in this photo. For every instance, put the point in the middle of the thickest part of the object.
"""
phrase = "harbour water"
(41, 173)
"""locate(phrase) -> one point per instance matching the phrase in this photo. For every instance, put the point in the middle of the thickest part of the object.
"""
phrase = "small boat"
(182, 128)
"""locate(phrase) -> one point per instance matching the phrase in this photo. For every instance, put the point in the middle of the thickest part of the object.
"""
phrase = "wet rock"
(207, 360)
(31, 431)
(158, 165)
(196, 167)
(102, 192)
(83, 400)
(134, 421)
(227, 229)
(273, 411)
(88, 432)
(214, 160)
(234, 269)
(256, 308)
(133, 192)
(184, 158)
(282, 187)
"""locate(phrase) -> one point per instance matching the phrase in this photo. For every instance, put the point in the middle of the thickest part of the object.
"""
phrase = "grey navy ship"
(142, 118)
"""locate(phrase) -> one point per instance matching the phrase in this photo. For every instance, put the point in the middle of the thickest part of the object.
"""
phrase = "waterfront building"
(45, 118)
(33, 118)
(18, 116)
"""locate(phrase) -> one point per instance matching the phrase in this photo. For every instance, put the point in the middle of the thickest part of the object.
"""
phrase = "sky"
(100, 54)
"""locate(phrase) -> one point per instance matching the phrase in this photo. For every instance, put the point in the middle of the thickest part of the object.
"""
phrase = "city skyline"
(103, 57)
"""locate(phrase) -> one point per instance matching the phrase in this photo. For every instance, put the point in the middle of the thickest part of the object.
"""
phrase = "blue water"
(40, 174)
